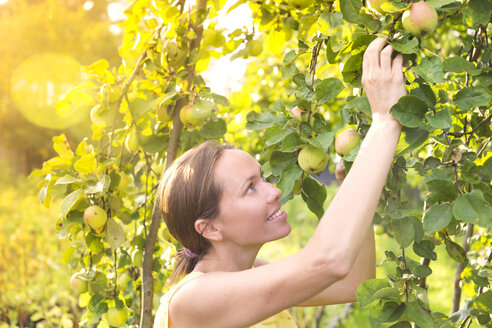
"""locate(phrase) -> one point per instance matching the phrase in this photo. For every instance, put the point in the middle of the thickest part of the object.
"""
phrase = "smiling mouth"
(275, 215)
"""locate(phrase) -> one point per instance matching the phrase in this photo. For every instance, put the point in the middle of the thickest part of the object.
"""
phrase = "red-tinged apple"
(95, 217)
(420, 19)
(116, 317)
(297, 112)
(455, 156)
(375, 5)
(78, 284)
(340, 172)
(300, 4)
(312, 159)
(186, 116)
(346, 141)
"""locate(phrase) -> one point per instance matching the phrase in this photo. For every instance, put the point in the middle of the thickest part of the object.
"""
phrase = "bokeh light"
(39, 83)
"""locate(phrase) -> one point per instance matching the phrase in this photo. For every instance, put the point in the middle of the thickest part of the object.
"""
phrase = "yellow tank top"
(280, 320)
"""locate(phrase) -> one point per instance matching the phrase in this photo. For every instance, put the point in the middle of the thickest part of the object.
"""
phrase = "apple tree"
(301, 88)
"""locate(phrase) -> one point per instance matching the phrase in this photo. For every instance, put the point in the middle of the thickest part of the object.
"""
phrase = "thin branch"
(459, 269)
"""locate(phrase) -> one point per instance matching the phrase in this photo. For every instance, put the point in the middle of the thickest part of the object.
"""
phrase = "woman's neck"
(227, 259)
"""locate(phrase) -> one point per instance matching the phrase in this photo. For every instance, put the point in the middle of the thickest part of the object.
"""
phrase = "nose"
(273, 193)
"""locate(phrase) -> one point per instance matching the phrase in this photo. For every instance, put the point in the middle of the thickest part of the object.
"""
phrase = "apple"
(131, 142)
(346, 141)
(101, 116)
(95, 217)
(375, 5)
(110, 92)
(187, 117)
(312, 159)
(340, 172)
(202, 110)
(420, 19)
(455, 156)
(300, 4)
(297, 112)
(163, 114)
(116, 317)
(254, 47)
(78, 284)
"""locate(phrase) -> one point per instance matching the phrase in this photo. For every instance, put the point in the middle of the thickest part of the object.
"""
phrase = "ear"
(207, 229)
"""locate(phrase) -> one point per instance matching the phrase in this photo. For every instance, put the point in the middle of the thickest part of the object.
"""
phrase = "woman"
(217, 205)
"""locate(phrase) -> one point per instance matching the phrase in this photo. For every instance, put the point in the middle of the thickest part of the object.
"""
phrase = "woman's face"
(250, 213)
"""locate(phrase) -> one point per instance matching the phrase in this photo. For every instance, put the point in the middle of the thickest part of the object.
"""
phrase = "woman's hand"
(382, 79)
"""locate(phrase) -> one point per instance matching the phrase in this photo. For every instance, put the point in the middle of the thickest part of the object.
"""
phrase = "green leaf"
(439, 3)
(114, 234)
(441, 120)
(327, 90)
(477, 12)
(430, 69)
(86, 164)
(350, 10)
(442, 190)
(352, 70)
(419, 315)
(154, 143)
(402, 324)
(470, 97)
(458, 65)
(437, 217)
(99, 67)
(214, 129)
(67, 179)
(291, 142)
(425, 248)
(367, 290)
(288, 177)
(279, 160)
(276, 135)
(387, 311)
(410, 140)
(69, 201)
(422, 271)
(410, 111)
(455, 251)
(405, 45)
(484, 302)
(314, 194)
(424, 92)
(323, 140)
(407, 230)
(260, 121)
(142, 104)
(361, 104)
(473, 208)
(328, 22)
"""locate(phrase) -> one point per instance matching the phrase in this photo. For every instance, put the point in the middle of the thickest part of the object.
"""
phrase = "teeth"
(274, 215)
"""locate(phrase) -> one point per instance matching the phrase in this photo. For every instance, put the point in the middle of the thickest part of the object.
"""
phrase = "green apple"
(163, 114)
(174, 55)
(254, 48)
(300, 4)
(202, 110)
(455, 156)
(375, 5)
(116, 317)
(101, 116)
(187, 117)
(131, 142)
(346, 141)
(312, 159)
(95, 217)
(78, 284)
(109, 92)
(420, 19)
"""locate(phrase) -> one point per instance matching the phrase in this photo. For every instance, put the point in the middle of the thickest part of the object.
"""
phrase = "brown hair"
(188, 192)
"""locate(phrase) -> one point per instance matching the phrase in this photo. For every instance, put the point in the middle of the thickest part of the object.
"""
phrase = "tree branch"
(459, 269)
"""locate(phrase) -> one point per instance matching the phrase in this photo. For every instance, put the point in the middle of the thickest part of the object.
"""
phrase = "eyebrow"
(250, 178)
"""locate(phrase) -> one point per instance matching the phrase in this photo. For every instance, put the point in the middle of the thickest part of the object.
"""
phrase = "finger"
(397, 67)
(371, 56)
(386, 59)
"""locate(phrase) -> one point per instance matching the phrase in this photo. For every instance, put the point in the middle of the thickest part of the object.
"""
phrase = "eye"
(251, 188)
